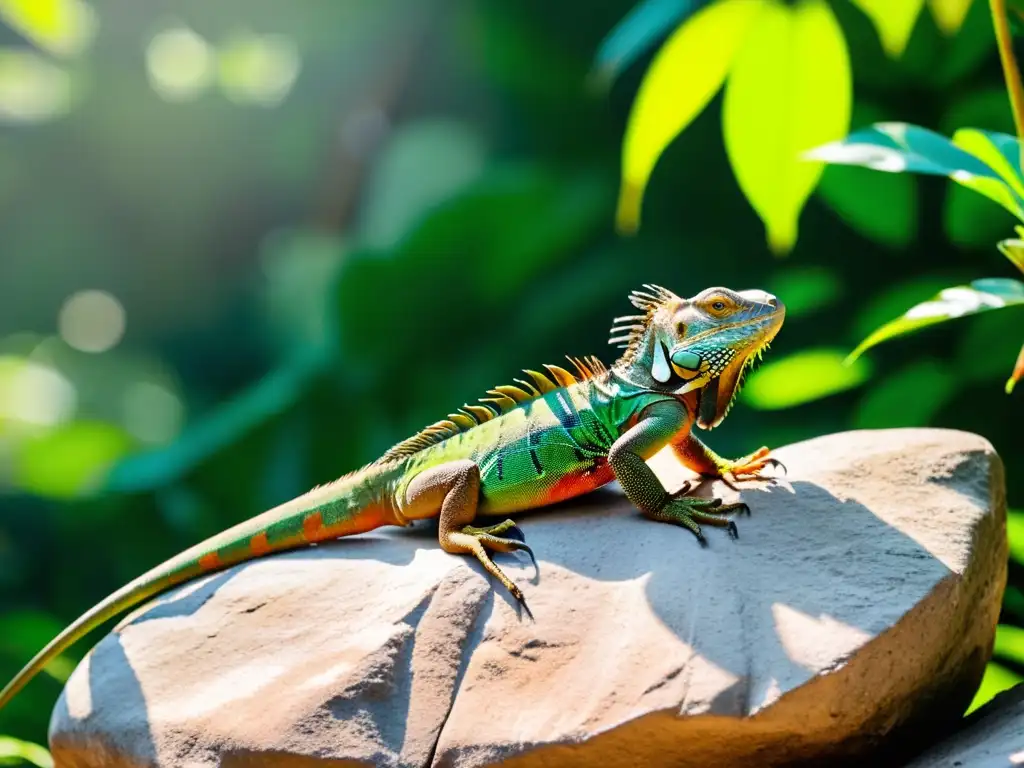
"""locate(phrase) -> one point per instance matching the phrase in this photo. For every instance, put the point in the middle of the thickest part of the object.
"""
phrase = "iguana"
(549, 437)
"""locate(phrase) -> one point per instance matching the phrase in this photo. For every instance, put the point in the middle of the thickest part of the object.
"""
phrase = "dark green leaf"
(14, 751)
(646, 23)
(801, 378)
(278, 391)
(980, 296)
(910, 397)
(805, 290)
(1015, 533)
(901, 147)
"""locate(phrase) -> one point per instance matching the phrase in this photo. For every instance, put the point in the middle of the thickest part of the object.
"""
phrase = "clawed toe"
(526, 609)
(522, 546)
(732, 530)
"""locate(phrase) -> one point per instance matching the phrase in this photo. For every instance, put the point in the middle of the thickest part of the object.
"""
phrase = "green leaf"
(801, 378)
(278, 391)
(949, 15)
(966, 52)
(882, 207)
(996, 680)
(806, 289)
(789, 90)
(980, 296)
(525, 217)
(646, 22)
(1013, 249)
(24, 632)
(1015, 533)
(999, 335)
(1013, 601)
(62, 27)
(12, 750)
(971, 220)
(892, 300)
(1009, 643)
(894, 20)
(683, 77)
(423, 164)
(900, 147)
(998, 151)
(1018, 372)
(71, 460)
(968, 218)
(910, 397)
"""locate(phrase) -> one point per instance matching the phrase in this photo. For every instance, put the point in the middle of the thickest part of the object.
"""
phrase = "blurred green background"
(248, 245)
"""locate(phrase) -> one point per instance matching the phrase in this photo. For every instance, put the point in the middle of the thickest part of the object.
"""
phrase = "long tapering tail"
(348, 506)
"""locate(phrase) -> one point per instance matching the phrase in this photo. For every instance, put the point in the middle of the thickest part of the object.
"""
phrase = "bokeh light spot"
(152, 413)
(179, 63)
(61, 27)
(32, 89)
(91, 321)
(34, 394)
(258, 69)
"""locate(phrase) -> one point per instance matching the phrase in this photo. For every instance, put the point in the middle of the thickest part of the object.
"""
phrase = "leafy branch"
(986, 162)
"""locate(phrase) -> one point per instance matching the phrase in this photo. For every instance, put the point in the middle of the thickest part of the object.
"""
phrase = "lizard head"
(700, 345)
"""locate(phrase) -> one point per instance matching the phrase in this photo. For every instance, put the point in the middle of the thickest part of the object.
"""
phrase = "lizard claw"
(776, 463)
(522, 546)
(526, 608)
(732, 530)
(686, 488)
(516, 541)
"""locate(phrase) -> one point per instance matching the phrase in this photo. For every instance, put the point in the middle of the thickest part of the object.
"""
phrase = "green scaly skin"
(550, 437)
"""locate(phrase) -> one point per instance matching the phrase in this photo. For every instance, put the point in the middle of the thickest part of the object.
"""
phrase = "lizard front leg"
(453, 490)
(628, 458)
(701, 459)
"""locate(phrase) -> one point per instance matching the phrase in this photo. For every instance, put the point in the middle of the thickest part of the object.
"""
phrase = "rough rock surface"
(992, 737)
(859, 603)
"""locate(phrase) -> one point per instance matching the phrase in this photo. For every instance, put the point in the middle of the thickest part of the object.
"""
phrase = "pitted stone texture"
(859, 603)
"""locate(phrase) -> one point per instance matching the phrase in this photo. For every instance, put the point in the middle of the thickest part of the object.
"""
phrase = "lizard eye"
(718, 305)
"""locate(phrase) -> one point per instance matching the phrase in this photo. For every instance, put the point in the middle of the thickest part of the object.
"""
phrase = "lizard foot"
(691, 512)
(749, 467)
(477, 541)
(712, 506)
(513, 538)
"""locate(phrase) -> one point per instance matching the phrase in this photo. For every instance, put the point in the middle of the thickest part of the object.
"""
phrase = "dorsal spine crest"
(502, 400)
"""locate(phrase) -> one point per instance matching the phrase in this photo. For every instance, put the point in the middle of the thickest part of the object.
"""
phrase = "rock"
(992, 737)
(859, 603)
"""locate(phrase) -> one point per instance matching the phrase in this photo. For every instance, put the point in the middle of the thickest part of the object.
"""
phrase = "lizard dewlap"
(551, 435)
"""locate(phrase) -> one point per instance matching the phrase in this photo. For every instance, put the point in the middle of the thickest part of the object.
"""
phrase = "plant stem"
(1010, 71)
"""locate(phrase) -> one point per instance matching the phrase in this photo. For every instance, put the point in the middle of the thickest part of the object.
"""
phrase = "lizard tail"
(322, 514)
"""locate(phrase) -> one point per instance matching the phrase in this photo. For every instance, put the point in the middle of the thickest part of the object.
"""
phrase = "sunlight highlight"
(152, 413)
(258, 69)
(91, 321)
(180, 64)
(32, 89)
(34, 394)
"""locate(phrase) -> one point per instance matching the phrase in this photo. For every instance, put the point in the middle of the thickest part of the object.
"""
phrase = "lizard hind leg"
(454, 487)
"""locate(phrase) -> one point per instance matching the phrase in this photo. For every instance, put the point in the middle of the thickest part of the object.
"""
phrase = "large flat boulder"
(859, 603)
(992, 737)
